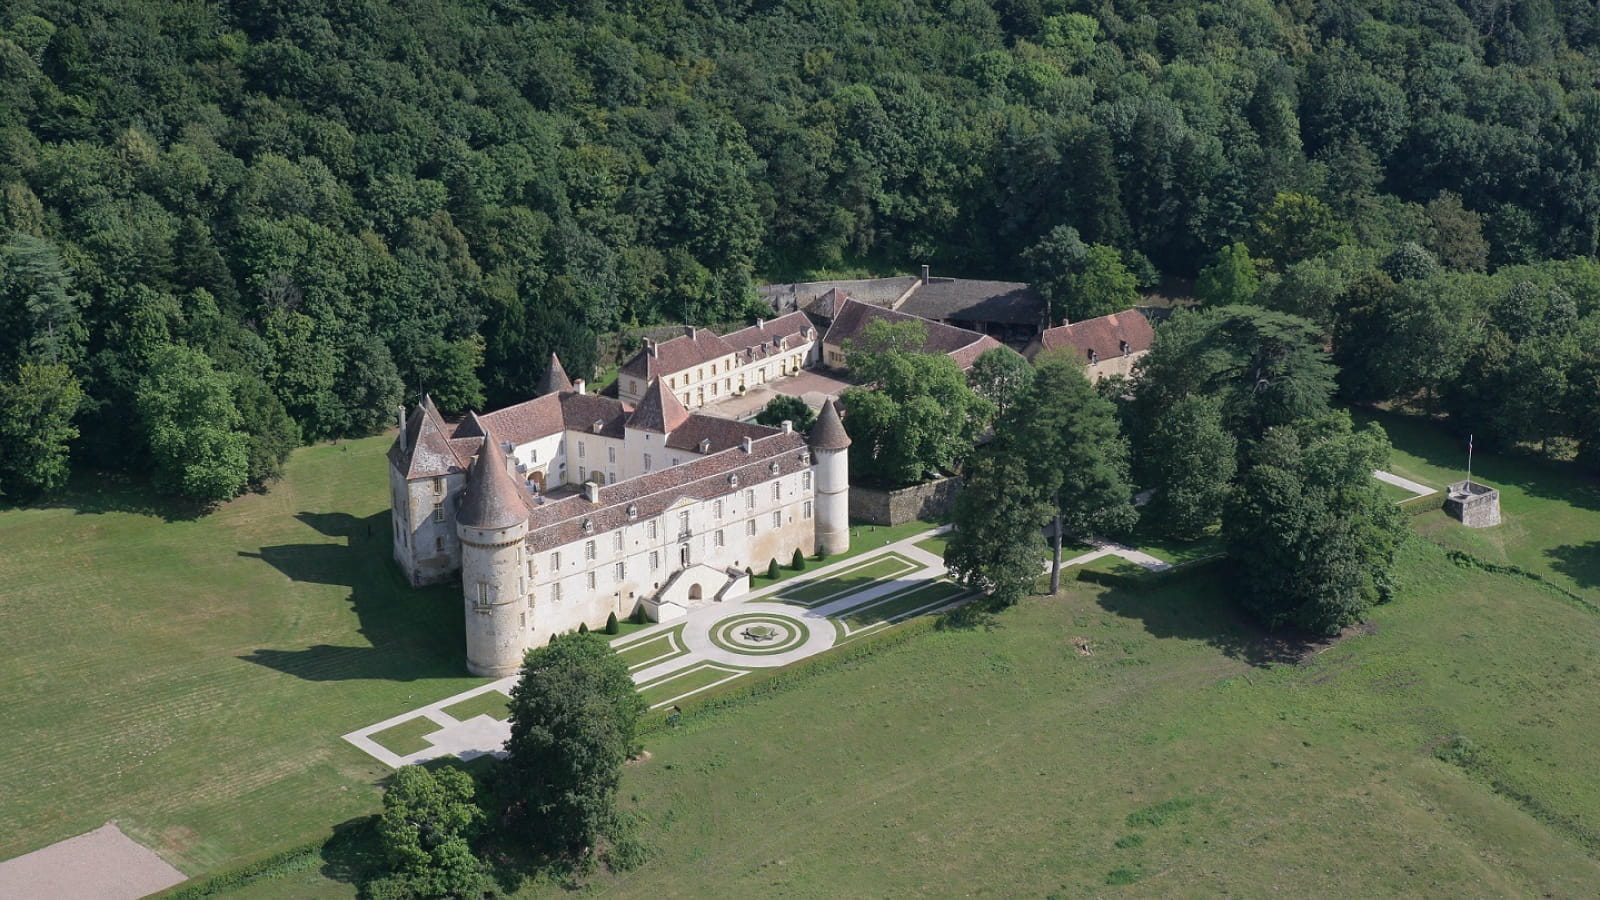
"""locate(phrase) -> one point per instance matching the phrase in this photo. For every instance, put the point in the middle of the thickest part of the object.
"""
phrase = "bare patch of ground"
(104, 864)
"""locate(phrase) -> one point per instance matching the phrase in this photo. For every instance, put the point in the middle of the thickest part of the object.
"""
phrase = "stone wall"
(896, 507)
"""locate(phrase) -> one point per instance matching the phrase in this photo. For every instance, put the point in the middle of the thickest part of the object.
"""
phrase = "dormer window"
(1125, 348)
(733, 481)
(588, 526)
(633, 512)
(705, 445)
(598, 424)
(1093, 356)
(773, 468)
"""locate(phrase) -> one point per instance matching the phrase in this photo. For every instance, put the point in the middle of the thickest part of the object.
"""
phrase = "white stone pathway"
(1112, 548)
(1421, 490)
(483, 734)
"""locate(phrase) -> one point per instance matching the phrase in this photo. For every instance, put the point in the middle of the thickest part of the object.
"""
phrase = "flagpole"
(1469, 464)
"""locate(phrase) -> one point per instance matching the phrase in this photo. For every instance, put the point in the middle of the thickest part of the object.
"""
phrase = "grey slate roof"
(424, 449)
(555, 378)
(969, 300)
(829, 433)
(492, 498)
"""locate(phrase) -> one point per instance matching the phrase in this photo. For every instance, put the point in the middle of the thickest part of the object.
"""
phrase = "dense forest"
(229, 227)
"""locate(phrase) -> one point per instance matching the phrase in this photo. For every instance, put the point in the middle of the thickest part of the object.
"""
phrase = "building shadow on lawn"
(411, 633)
(1196, 608)
(1580, 562)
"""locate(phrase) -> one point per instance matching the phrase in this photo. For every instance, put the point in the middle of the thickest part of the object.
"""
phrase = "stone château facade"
(570, 507)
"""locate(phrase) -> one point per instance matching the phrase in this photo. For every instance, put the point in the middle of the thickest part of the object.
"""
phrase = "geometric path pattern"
(713, 645)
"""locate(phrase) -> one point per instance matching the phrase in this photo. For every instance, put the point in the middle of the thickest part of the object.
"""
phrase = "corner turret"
(830, 446)
(492, 523)
(555, 378)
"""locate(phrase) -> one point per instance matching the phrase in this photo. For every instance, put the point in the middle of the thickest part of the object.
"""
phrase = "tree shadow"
(1436, 444)
(1580, 562)
(95, 493)
(412, 633)
(1195, 607)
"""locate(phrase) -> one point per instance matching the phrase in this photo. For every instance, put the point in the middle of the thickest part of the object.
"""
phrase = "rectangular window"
(438, 485)
(611, 478)
(777, 519)
(655, 560)
(530, 567)
(720, 541)
(777, 490)
(647, 462)
(555, 561)
(805, 480)
(588, 549)
(555, 592)
(750, 498)
(483, 594)
(438, 545)
(750, 527)
(683, 524)
(591, 581)
(808, 509)
(581, 449)
(611, 454)
(652, 529)
(616, 541)
(533, 455)
(583, 473)
(438, 512)
(618, 571)
(717, 509)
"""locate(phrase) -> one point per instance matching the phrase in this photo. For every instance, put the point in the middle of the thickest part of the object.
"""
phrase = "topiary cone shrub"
(772, 568)
(611, 625)
(583, 628)
(799, 562)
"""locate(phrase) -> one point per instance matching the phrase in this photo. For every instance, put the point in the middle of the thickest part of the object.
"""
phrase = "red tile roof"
(958, 343)
(1105, 335)
(560, 521)
(676, 355)
(659, 410)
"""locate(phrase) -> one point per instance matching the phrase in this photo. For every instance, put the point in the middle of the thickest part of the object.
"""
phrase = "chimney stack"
(761, 323)
(591, 491)
(649, 347)
(787, 426)
(745, 443)
(925, 275)
(580, 386)
(402, 410)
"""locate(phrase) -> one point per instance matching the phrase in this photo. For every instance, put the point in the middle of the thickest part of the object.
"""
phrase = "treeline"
(232, 226)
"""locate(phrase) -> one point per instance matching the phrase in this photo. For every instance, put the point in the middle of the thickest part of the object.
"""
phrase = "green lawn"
(863, 538)
(852, 579)
(652, 650)
(406, 737)
(898, 605)
(935, 544)
(493, 704)
(190, 678)
(1550, 512)
(701, 676)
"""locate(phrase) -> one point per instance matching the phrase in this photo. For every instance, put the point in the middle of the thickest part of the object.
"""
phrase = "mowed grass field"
(1178, 757)
(190, 678)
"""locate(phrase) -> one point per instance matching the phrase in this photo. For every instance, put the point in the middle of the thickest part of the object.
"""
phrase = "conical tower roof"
(492, 498)
(829, 433)
(555, 378)
(659, 410)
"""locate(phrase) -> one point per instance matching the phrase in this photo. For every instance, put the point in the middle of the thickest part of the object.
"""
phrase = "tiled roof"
(528, 420)
(555, 378)
(1006, 302)
(960, 344)
(580, 412)
(722, 433)
(492, 498)
(829, 433)
(682, 352)
(424, 449)
(1105, 335)
(561, 521)
(659, 410)
(790, 329)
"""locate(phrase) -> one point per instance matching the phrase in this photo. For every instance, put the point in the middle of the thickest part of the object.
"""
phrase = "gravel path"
(104, 864)
(1421, 490)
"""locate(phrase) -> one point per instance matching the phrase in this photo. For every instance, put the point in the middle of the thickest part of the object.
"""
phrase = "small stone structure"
(1476, 505)
(899, 506)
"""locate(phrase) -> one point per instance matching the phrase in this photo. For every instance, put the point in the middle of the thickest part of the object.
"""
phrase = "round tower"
(492, 522)
(830, 448)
